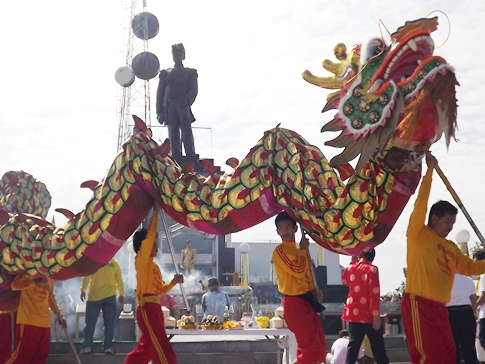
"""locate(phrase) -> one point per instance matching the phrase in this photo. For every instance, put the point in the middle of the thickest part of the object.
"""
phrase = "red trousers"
(428, 331)
(153, 344)
(305, 324)
(33, 345)
(6, 335)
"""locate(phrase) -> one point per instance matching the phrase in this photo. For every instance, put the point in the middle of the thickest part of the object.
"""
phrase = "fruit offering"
(187, 322)
(211, 322)
(262, 321)
(231, 325)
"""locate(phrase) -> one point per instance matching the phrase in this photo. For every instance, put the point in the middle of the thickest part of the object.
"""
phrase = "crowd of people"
(440, 306)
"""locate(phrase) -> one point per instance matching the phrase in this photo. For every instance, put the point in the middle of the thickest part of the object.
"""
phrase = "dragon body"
(281, 172)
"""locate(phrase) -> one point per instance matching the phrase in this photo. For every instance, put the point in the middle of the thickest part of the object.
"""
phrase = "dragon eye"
(375, 47)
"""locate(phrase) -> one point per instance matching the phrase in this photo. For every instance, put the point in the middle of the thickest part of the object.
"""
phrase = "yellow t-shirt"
(35, 301)
(104, 282)
(432, 260)
(292, 268)
(148, 274)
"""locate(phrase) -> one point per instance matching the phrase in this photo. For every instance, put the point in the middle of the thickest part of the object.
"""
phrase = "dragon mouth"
(404, 58)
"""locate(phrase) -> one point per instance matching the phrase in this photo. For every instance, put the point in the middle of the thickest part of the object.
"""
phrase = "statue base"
(194, 158)
(182, 159)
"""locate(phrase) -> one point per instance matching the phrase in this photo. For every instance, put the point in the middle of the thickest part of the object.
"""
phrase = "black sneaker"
(85, 350)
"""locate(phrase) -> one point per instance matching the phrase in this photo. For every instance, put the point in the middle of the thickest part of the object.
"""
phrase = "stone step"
(204, 358)
(259, 351)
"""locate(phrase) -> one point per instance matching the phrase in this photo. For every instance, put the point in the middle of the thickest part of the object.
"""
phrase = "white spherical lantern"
(463, 236)
(244, 248)
(129, 246)
(244, 271)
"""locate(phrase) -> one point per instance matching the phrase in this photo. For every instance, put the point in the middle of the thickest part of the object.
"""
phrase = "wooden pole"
(314, 276)
(170, 247)
(60, 318)
(460, 204)
(12, 329)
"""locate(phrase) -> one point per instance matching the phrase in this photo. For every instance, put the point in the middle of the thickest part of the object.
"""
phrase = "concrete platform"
(202, 349)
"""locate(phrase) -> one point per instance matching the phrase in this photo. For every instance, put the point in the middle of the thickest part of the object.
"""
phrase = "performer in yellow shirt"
(153, 344)
(432, 261)
(33, 319)
(295, 282)
(102, 296)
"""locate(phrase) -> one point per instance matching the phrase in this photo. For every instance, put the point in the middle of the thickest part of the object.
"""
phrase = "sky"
(59, 98)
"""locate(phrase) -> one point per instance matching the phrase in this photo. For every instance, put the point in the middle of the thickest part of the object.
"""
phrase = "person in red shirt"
(362, 309)
(170, 302)
(153, 344)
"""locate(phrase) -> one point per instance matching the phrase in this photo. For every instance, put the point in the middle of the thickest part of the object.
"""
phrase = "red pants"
(6, 335)
(428, 331)
(305, 324)
(153, 344)
(33, 346)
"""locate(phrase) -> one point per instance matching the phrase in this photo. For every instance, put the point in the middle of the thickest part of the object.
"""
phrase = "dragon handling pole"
(170, 247)
(59, 317)
(314, 276)
(12, 329)
(460, 204)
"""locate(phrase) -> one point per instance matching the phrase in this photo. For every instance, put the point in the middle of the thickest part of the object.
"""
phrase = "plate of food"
(187, 323)
(188, 327)
(212, 327)
(232, 325)
(211, 322)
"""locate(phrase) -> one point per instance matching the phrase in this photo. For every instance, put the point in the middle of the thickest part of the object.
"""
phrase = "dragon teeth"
(375, 86)
(412, 44)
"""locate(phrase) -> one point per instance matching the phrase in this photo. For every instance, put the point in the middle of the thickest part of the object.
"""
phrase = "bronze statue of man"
(177, 90)
(187, 258)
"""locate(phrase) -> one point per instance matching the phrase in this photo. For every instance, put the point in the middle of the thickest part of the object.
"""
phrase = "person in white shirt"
(461, 313)
(480, 255)
(338, 352)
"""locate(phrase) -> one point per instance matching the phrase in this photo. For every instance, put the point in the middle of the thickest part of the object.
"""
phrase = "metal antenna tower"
(133, 99)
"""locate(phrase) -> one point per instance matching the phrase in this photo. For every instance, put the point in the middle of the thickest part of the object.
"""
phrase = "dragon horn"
(67, 213)
(91, 184)
(232, 162)
(164, 149)
(139, 123)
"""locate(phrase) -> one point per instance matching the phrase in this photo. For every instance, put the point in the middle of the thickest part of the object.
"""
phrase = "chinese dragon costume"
(394, 98)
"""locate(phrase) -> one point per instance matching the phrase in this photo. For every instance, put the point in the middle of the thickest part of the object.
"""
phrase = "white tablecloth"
(286, 339)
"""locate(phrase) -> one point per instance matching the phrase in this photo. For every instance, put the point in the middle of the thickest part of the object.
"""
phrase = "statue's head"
(188, 243)
(178, 52)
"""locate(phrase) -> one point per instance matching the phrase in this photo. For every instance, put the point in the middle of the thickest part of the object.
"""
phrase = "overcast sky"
(59, 99)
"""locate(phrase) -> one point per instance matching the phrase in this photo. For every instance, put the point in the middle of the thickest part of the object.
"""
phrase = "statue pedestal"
(194, 158)
(181, 160)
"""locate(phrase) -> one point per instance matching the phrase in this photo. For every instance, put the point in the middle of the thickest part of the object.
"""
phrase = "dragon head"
(395, 98)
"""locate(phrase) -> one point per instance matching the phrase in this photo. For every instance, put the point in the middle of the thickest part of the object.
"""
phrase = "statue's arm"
(193, 88)
(182, 258)
(160, 96)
